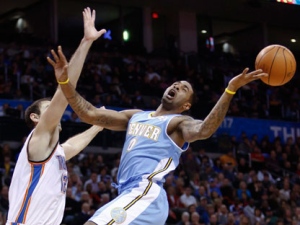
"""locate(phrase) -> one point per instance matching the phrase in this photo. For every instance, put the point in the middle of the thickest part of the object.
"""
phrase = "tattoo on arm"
(82, 107)
(216, 116)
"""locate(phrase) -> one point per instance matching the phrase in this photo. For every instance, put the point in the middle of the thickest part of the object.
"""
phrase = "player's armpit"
(109, 119)
(192, 130)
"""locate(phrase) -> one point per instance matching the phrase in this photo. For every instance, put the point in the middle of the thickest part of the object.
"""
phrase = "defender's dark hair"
(34, 108)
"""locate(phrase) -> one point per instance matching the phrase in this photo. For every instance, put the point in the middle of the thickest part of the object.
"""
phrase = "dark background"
(249, 24)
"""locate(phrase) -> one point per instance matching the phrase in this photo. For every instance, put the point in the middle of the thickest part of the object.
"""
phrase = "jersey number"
(64, 183)
(131, 144)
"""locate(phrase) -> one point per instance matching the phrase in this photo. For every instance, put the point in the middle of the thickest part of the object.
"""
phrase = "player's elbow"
(203, 134)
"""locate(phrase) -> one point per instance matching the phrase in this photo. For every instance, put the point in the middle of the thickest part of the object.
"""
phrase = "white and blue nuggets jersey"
(148, 153)
(37, 191)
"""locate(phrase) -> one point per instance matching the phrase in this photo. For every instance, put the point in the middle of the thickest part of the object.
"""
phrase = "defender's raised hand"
(60, 65)
(90, 32)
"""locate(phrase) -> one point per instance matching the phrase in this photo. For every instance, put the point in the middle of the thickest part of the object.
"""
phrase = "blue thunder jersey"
(148, 153)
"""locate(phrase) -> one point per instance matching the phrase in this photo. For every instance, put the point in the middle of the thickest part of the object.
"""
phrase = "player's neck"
(160, 111)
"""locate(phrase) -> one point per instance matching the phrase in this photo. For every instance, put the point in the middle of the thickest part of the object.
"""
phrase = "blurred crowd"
(118, 79)
(254, 183)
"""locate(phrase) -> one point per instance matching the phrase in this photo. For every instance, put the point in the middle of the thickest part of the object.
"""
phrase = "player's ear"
(187, 106)
(34, 117)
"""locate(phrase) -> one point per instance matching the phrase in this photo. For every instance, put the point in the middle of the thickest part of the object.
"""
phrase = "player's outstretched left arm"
(76, 144)
(193, 130)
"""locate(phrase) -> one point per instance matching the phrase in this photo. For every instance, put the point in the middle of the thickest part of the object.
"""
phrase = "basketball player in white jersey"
(38, 187)
(153, 145)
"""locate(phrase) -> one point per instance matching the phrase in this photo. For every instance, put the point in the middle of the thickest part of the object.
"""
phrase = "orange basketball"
(279, 62)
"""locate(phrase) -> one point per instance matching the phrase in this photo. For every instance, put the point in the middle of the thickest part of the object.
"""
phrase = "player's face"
(178, 96)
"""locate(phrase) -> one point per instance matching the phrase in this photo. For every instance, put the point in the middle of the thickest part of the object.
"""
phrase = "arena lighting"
(155, 15)
(293, 40)
(292, 2)
(203, 31)
(125, 35)
(107, 35)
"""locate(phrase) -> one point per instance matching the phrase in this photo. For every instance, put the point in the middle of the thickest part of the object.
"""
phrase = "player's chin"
(167, 100)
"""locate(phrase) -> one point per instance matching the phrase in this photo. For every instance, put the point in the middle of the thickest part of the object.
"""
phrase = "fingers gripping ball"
(279, 62)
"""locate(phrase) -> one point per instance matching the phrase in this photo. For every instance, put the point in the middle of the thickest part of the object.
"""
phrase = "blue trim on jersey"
(37, 170)
(14, 223)
(185, 146)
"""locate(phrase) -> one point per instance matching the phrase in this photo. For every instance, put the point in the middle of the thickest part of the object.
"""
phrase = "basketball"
(279, 62)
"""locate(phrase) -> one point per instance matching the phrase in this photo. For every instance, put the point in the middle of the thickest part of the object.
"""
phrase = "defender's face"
(177, 94)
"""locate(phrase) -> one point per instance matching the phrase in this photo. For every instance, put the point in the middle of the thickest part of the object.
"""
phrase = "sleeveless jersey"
(37, 191)
(148, 152)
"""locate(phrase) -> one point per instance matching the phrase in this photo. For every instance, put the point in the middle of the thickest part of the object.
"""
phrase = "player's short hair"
(34, 108)
(193, 97)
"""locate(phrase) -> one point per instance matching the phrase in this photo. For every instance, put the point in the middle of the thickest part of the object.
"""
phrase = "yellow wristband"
(229, 92)
(63, 82)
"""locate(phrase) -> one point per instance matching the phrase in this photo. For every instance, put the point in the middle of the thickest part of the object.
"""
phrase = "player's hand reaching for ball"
(60, 65)
(90, 32)
(244, 78)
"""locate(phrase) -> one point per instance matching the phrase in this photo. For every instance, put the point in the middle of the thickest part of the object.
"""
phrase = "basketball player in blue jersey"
(153, 145)
(39, 183)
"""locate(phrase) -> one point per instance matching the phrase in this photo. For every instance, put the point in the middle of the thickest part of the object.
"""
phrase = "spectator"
(288, 216)
(228, 159)
(84, 215)
(187, 198)
(231, 220)
(243, 166)
(272, 163)
(93, 182)
(257, 158)
(259, 216)
(214, 188)
(202, 192)
(185, 219)
(71, 208)
(213, 220)
(270, 218)
(284, 193)
(202, 210)
(256, 190)
(249, 211)
(243, 189)
(223, 214)
(195, 218)
(4, 204)
(244, 220)
(173, 199)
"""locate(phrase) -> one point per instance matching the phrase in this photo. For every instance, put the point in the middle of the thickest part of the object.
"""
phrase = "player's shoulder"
(130, 112)
(177, 120)
(183, 118)
(186, 120)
